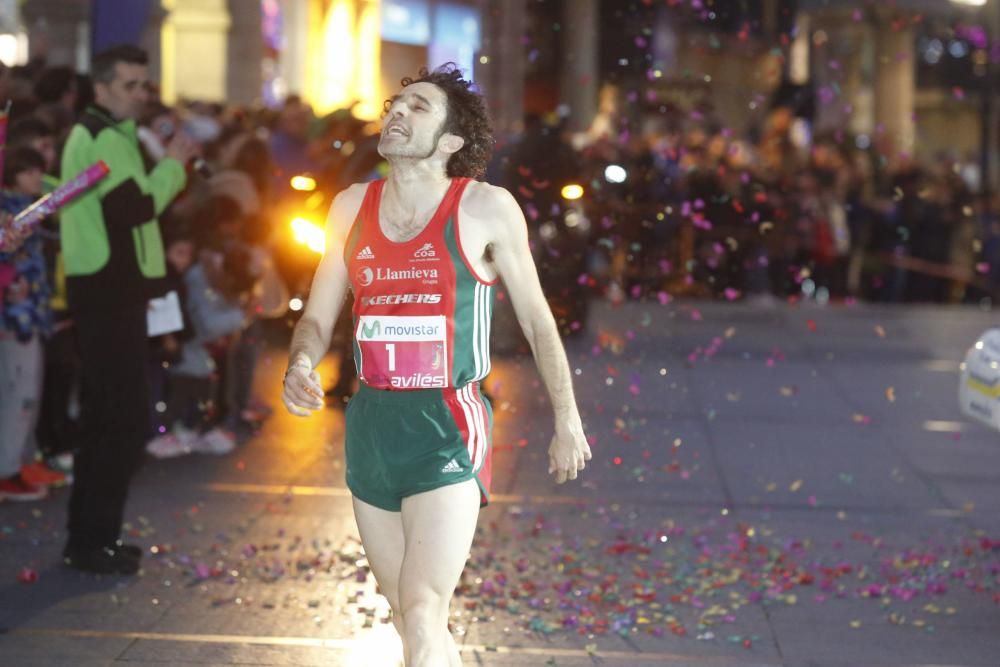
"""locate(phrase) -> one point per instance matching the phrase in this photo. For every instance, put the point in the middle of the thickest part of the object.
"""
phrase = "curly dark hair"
(466, 117)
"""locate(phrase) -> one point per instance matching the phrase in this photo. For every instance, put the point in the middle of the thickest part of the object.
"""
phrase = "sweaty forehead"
(428, 91)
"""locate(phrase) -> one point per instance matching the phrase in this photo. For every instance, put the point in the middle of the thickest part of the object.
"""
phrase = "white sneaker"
(187, 437)
(216, 441)
(615, 294)
(167, 446)
(64, 464)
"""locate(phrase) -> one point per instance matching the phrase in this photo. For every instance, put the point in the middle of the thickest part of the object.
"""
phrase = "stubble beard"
(417, 156)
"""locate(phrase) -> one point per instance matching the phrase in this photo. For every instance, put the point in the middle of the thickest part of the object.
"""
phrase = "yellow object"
(309, 234)
(303, 183)
(984, 389)
(344, 57)
(367, 88)
(193, 50)
(572, 191)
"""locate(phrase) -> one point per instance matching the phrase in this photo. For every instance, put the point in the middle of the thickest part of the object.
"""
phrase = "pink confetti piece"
(27, 576)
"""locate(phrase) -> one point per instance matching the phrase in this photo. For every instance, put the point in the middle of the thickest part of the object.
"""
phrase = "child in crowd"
(217, 308)
(33, 132)
(58, 431)
(25, 320)
(165, 349)
(235, 209)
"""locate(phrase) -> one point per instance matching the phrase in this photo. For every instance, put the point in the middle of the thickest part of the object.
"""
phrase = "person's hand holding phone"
(182, 148)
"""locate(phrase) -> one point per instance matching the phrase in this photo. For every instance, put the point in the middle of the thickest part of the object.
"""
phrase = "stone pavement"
(771, 485)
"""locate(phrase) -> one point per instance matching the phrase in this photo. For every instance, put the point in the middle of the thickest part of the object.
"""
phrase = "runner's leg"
(439, 526)
(382, 536)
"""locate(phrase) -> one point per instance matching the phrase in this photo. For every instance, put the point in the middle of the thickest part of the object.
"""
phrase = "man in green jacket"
(114, 261)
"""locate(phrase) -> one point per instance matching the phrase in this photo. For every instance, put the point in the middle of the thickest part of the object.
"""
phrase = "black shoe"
(130, 550)
(101, 560)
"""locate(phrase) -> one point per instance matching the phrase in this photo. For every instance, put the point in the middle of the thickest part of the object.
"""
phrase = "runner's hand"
(568, 453)
(302, 391)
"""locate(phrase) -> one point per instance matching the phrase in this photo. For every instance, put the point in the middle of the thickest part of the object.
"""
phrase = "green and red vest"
(421, 314)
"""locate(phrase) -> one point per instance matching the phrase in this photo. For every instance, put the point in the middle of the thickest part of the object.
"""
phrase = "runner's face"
(415, 122)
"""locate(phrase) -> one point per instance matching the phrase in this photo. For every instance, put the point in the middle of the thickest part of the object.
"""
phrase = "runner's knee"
(397, 611)
(425, 613)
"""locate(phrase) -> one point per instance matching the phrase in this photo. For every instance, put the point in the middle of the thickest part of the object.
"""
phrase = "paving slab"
(151, 651)
(54, 650)
(835, 466)
(637, 458)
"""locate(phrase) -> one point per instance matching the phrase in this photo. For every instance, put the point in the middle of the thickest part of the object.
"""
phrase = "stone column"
(842, 72)
(245, 51)
(151, 42)
(864, 76)
(294, 52)
(578, 87)
(194, 38)
(501, 76)
(57, 30)
(894, 84)
(991, 126)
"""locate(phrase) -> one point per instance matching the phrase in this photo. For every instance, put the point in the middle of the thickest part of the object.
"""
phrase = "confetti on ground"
(687, 580)
(27, 576)
(602, 570)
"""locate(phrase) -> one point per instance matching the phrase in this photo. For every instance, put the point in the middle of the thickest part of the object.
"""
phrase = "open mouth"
(396, 131)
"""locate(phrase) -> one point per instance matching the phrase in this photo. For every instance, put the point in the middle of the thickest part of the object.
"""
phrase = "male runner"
(422, 251)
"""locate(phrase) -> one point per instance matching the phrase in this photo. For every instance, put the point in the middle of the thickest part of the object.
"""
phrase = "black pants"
(57, 432)
(115, 421)
(192, 402)
(241, 365)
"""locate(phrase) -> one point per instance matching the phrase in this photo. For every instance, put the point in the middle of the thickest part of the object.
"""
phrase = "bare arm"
(312, 335)
(514, 264)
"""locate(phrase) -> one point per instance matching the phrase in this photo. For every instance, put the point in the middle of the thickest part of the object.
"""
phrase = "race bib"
(403, 352)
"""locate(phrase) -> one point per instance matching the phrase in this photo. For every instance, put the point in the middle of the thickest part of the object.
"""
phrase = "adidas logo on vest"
(452, 466)
(366, 253)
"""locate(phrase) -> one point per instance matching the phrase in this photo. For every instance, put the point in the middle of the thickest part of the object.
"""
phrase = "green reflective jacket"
(111, 243)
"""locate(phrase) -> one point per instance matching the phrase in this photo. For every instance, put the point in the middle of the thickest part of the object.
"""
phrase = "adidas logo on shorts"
(452, 466)
(366, 253)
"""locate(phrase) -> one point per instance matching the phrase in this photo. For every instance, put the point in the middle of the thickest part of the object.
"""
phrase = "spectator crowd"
(679, 204)
(184, 230)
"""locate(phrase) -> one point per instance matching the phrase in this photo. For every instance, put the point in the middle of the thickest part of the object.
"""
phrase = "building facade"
(334, 53)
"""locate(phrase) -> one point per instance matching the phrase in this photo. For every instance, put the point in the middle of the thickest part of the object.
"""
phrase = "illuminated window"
(406, 21)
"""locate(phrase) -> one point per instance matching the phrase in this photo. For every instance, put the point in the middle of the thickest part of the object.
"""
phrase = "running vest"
(421, 314)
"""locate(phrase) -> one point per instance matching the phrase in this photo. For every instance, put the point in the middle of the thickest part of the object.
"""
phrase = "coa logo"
(425, 252)
(365, 276)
